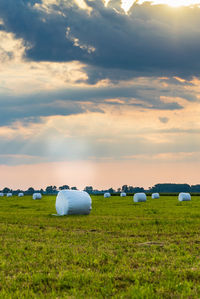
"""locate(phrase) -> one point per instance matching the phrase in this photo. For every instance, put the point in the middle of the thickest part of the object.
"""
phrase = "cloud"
(122, 73)
(164, 120)
(152, 40)
(75, 100)
(130, 135)
(51, 146)
(30, 91)
(131, 46)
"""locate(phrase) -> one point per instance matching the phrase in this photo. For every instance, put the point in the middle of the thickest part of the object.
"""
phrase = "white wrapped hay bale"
(123, 194)
(20, 194)
(107, 194)
(9, 194)
(184, 196)
(139, 197)
(1, 194)
(73, 202)
(37, 195)
(155, 195)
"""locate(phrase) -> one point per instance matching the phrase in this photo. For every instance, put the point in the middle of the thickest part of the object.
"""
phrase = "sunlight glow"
(126, 4)
(82, 4)
(173, 3)
(106, 2)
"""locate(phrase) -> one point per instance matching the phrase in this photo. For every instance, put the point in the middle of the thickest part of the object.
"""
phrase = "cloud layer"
(82, 81)
(150, 40)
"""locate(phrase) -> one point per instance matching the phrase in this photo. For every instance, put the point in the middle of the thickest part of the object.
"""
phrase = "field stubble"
(121, 250)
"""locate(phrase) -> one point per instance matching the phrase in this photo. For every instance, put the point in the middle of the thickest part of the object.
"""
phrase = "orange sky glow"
(98, 174)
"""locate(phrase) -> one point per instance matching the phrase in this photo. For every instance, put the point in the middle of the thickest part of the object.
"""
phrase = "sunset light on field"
(99, 148)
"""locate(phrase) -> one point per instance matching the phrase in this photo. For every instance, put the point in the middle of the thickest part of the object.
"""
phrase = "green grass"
(121, 250)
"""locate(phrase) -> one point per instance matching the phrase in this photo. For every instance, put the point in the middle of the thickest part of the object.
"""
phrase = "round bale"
(37, 195)
(9, 194)
(184, 196)
(73, 202)
(107, 194)
(20, 194)
(155, 195)
(1, 194)
(123, 194)
(139, 197)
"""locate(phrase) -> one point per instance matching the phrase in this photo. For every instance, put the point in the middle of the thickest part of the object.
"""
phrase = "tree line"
(160, 188)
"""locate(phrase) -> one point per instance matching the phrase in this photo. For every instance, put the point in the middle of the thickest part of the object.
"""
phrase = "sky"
(101, 93)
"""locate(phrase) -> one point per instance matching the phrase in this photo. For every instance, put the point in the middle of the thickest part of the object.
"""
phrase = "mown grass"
(121, 250)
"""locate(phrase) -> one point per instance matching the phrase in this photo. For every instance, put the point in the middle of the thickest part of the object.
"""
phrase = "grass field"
(121, 250)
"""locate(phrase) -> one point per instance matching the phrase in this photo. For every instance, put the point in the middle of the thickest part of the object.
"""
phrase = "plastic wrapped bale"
(184, 196)
(139, 197)
(9, 194)
(73, 202)
(107, 194)
(1, 194)
(37, 196)
(20, 194)
(123, 194)
(155, 195)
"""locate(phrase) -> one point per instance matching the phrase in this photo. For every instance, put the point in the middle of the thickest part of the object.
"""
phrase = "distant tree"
(50, 189)
(169, 187)
(63, 187)
(118, 190)
(16, 192)
(131, 189)
(88, 189)
(138, 189)
(195, 188)
(111, 190)
(125, 188)
(74, 188)
(6, 190)
(30, 191)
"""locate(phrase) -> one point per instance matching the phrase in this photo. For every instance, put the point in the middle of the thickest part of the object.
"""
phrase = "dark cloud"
(151, 40)
(44, 33)
(164, 120)
(181, 131)
(30, 108)
(176, 81)
(32, 111)
(2, 27)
